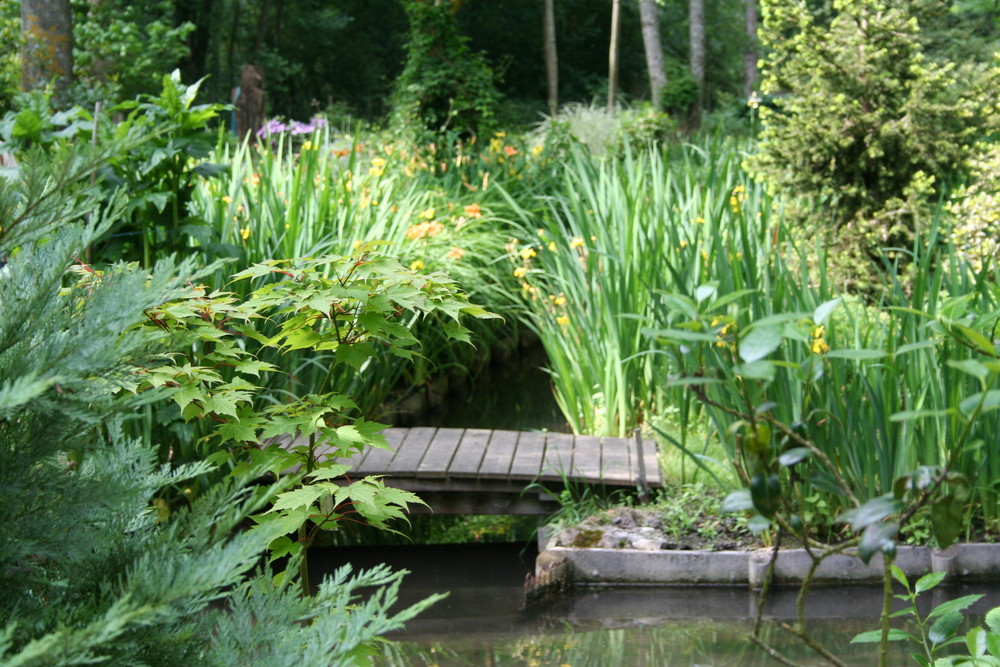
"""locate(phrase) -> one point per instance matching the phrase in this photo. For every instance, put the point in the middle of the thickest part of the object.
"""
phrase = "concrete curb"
(962, 562)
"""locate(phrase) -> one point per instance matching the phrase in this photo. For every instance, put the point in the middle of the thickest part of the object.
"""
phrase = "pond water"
(516, 395)
(480, 623)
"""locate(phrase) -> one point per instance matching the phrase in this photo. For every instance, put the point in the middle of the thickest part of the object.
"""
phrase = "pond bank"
(602, 567)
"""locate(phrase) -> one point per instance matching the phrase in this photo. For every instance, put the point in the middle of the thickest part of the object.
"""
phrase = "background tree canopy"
(344, 56)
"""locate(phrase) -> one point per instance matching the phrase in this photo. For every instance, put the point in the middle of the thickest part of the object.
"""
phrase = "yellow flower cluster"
(818, 345)
(727, 334)
(736, 199)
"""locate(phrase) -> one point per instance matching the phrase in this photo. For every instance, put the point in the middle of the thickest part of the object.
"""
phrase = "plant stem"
(883, 644)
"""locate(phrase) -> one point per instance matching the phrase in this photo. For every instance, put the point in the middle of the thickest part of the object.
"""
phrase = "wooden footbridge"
(479, 471)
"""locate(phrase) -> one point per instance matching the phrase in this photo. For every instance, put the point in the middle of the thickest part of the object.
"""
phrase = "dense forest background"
(342, 57)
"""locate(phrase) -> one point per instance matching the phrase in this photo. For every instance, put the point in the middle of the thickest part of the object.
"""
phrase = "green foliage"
(121, 49)
(975, 209)
(160, 174)
(89, 570)
(939, 627)
(33, 123)
(865, 119)
(681, 92)
(349, 306)
(10, 60)
(334, 193)
(445, 89)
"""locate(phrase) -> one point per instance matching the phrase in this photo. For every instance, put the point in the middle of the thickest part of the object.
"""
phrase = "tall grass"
(603, 251)
(686, 242)
(326, 194)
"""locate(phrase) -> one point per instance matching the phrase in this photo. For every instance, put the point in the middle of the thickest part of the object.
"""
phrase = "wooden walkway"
(479, 471)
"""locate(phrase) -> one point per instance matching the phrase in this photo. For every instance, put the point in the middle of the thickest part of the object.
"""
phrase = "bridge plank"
(558, 460)
(412, 449)
(439, 453)
(528, 457)
(376, 460)
(616, 460)
(499, 455)
(587, 458)
(469, 453)
(649, 456)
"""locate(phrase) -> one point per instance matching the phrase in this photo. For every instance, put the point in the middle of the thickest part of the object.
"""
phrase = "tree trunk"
(47, 28)
(696, 18)
(750, 53)
(250, 103)
(650, 17)
(616, 7)
(551, 55)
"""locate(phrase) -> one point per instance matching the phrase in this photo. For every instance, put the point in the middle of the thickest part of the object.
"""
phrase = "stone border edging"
(962, 562)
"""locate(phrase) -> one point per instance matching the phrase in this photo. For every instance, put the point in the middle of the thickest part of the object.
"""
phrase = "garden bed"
(636, 546)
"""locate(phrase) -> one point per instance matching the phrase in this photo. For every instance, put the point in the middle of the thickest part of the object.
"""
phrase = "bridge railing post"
(641, 482)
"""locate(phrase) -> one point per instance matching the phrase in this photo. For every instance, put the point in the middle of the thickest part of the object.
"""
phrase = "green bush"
(445, 89)
(864, 119)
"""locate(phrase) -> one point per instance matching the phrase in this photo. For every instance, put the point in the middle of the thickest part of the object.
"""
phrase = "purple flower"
(314, 124)
(273, 126)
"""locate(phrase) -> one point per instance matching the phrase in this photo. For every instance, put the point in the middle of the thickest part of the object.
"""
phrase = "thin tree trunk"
(551, 55)
(650, 18)
(616, 7)
(233, 34)
(696, 18)
(750, 53)
(47, 28)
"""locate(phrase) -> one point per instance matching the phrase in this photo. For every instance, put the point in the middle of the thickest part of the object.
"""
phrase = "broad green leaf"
(253, 367)
(856, 355)
(329, 470)
(756, 370)
(929, 581)
(874, 510)
(877, 537)
(981, 342)
(737, 501)
(765, 491)
(794, 455)
(704, 292)
(993, 646)
(758, 524)
(780, 318)
(953, 606)
(301, 497)
(975, 642)
(993, 620)
(237, 431)
(972, 367)
(823, 311)
(759, 342)
(947, 520)
(355, 355)
(875, 636)
(991, 402)
(672, 335)
(944, 628)
(911, 347)
(726, 299)
(907, 415)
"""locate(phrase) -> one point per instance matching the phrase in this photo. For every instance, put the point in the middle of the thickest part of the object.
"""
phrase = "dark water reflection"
(480, 623)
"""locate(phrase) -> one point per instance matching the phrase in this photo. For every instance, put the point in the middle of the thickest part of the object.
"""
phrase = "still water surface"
(480, 623)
